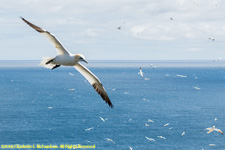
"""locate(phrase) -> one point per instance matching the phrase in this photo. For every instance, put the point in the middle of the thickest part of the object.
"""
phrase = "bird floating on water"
(66, 58)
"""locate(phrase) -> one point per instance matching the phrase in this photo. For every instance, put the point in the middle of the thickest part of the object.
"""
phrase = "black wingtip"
(22, 18)
(102, 94)
(111, 105)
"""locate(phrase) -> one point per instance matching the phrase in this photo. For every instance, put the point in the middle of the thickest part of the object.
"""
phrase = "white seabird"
(197, 88)
(182, 76)
(161, 137)
(166, 124)
(65, 58)
(141, 73)
(150, 139)
(147, 125)
(71, 74)
(110, 140)
(183, 133)
(213, 129)
(71, 89)
(102, 118)
(88, 129)
(149, 120)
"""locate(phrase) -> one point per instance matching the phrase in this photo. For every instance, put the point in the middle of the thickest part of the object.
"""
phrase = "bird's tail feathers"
(46, 62)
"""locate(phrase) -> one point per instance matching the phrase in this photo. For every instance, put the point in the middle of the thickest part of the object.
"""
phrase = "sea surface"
(57, 107)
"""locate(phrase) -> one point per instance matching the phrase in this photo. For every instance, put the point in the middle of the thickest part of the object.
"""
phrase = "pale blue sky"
(90, 27)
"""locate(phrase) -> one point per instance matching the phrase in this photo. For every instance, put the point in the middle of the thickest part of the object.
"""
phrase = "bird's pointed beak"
(85, 61)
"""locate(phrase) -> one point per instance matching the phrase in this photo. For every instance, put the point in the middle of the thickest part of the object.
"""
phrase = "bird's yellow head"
(80, 57)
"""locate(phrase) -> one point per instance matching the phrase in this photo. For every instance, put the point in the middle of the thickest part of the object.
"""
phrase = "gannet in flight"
(213, 129)
(182, 76)
(141, 73)
(161, 137)
(110, 140)
(166, 124)
(150, 139)
(183, 133)
(65, 58)
(102, 118)
(88, 129)
(149, 120)
(71, 74)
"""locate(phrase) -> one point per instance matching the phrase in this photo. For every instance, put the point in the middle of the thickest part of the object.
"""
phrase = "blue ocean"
(59, 107)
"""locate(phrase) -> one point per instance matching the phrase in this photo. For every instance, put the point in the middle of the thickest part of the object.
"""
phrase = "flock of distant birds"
(210, 129)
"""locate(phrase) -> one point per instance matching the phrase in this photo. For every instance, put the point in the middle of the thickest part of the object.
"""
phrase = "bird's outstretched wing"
(210, 130)
(59, 47)
(95, 82)
(220, 131)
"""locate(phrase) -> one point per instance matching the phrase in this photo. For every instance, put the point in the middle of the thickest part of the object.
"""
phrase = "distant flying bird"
(71, 74)
(131, 148)
(197, 88)
(119, 28)
(218, 59)
(183, 133)
(147, 125)
(171, 19)
(71, 89)
(102, 119)
(213, 129)
(182, 76)
(212, 39)
(153, 66)
(212, 144)
(161, 137)
(149, 120)
(110, 140)
(166, 124)
(65, 58)
(150, 139)
(215, 119)
(147, 79)
(88, 129)
(87, 141)
(141, 73)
